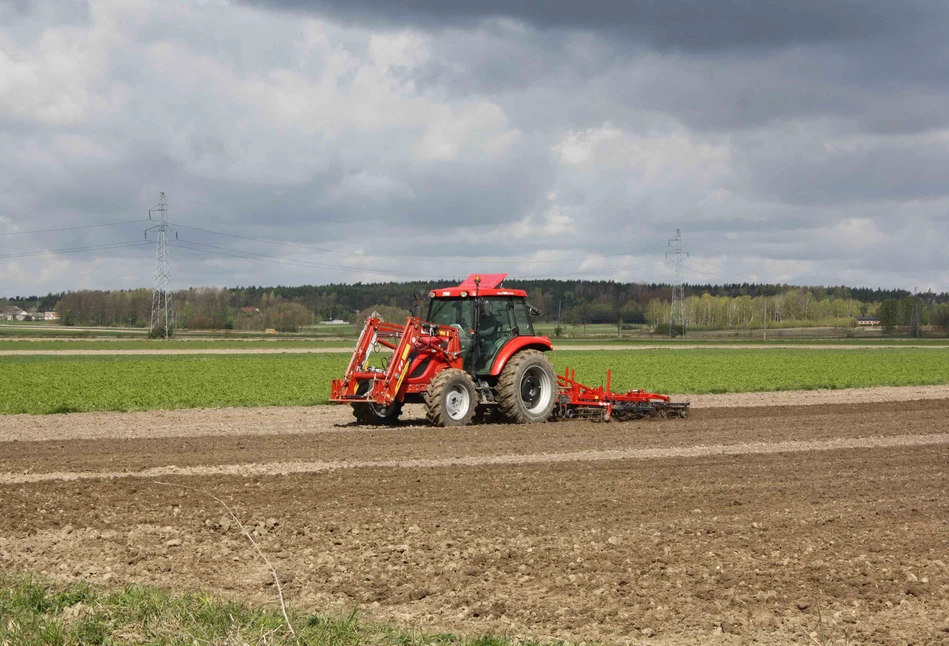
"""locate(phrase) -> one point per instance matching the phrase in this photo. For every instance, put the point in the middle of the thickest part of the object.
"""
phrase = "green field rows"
(49, 384)
(112, 345)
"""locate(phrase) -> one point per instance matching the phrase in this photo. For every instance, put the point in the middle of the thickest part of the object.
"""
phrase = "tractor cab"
(486, 315)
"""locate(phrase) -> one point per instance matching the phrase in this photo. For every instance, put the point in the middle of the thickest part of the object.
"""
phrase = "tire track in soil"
(280, 420)
(561, 348)
(290, 468)
(722, 550)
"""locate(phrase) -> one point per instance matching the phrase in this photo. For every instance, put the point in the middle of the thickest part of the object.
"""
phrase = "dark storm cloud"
(54, 11)
(695, 25)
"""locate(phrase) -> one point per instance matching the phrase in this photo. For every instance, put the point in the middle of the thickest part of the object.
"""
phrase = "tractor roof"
(490, 285)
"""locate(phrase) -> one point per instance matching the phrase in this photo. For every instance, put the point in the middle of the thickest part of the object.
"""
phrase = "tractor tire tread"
(509, 391)
(434, 410)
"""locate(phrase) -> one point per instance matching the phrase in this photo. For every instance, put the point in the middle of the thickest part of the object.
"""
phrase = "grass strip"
(60, 384)
(122, 344)
(35, 612)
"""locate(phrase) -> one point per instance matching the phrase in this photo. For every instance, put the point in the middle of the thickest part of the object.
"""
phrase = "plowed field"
(745, 523)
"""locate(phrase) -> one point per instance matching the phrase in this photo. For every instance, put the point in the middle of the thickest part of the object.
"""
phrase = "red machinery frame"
(576, 400)
(414, 346)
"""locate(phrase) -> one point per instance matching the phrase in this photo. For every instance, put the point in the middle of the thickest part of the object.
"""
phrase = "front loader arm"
(382, 385)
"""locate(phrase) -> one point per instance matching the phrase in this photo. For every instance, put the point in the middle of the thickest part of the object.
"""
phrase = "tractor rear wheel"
(376, 414)
(527, 388)
(451, 398)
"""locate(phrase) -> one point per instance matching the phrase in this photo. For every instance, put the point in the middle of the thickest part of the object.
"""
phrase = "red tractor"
(475, 352)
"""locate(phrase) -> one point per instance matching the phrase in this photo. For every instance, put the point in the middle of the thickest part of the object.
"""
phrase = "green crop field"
(50, 384)
(107, 345)
(721, 370)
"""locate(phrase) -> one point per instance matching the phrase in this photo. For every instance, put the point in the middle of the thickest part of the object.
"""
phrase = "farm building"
(868, 320)
(11, 313)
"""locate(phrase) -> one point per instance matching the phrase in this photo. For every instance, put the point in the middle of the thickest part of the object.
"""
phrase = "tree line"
(288, 308)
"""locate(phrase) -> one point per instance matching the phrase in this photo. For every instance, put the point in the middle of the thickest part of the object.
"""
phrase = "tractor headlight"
(464, 294)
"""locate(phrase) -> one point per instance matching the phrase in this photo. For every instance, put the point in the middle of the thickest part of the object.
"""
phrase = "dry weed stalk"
(283, 605)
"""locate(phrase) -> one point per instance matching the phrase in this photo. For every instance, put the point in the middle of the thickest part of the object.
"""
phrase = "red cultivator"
(578, 401)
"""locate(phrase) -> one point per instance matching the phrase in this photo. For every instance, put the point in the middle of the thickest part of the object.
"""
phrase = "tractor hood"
(490, 285)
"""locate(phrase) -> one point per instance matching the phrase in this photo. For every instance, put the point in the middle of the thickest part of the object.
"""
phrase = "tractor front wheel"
(376, 414)
(451, 398)
(527, 388)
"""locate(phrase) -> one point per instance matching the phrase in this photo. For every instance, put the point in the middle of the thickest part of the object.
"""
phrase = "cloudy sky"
(362, 140)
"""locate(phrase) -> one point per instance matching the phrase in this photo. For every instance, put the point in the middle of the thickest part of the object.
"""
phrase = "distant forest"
(567, 301)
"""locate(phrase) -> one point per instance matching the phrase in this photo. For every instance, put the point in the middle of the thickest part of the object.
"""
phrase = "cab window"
(451, 311)
(524, 325)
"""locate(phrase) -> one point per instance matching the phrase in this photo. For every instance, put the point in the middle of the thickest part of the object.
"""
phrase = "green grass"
(44, 613)
(721, 370)
(728, 342)
(198, 344)
(59, 384)
(8, 330)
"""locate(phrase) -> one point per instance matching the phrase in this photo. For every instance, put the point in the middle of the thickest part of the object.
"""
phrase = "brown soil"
(737, 525)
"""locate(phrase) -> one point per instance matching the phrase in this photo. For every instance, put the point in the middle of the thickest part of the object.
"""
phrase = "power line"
(720, 271)
(276, 260)
(249, 255)
(591, 271)
(398, 257)
(117, 245)
(84, 226)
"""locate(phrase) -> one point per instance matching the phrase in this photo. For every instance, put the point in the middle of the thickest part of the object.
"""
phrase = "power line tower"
(916, 324)
(677, 308)
(163, 311)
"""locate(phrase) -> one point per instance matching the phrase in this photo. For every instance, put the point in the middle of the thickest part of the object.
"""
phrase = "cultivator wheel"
(451, 398)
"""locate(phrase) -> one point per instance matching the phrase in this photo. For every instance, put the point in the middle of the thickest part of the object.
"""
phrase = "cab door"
(497, 327)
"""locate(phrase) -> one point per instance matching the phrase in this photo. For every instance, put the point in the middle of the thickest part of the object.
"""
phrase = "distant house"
(11, 313)
(868, 320)
(51, 316)
(250, 310)
(334, 322)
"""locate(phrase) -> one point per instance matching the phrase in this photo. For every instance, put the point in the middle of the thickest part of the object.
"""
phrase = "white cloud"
(58, 79)
(481, 125)
(367, 185)
(401, 49)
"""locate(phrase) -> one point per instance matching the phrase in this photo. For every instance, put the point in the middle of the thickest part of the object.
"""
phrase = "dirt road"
(740, 523)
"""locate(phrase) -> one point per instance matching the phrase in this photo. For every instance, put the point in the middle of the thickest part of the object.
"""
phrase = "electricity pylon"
(163, 311)
(677, 308)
